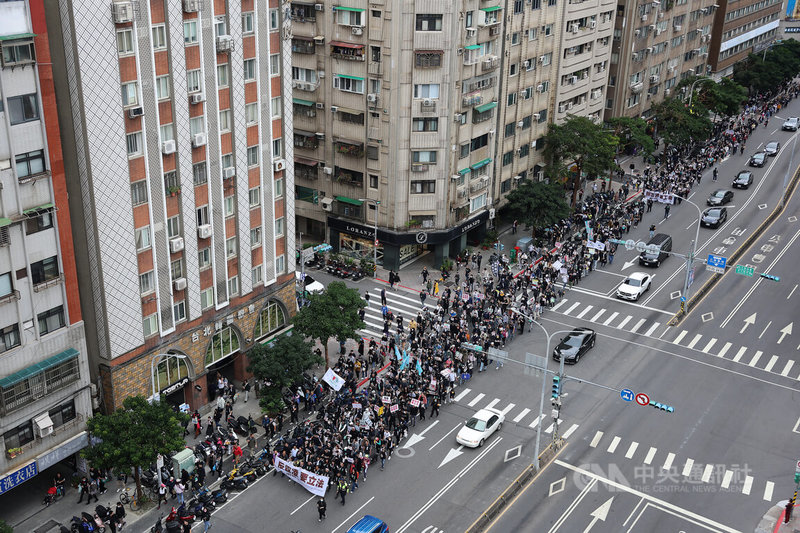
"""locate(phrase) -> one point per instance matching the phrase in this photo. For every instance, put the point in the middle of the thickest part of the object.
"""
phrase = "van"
(369, 524)
(664, 244)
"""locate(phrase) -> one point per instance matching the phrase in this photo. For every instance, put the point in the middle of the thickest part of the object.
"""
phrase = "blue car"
(369, 524)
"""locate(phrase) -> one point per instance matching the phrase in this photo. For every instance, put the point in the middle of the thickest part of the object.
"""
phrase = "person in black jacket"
(119, 515)
(322, 507)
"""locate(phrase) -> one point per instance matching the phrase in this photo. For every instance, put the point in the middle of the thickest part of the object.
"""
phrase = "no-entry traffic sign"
(642, 399)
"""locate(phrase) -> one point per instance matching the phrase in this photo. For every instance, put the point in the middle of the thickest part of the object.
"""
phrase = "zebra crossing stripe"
(507, 408)
(624, 321)
(598, 315)
(748, 485)
(596, 439)
(709, 469)
(650, 454)
(710, 345)
(559, 304)
(613, 446)
(652, 329)
(611, 318)
(521, 415)
(770, 486)
(694, 341)
(755, 358)
(493, 403)
(462, 394)
(536, 421)
(631, 450)
(582, 313)
(476, 399)
(787, 368)
(724, 349)
(668, 463)
(570, 431)
(772, 361)
(680, 337)
(687, 467)
(739, 354)
(726, 479)
(639, 324)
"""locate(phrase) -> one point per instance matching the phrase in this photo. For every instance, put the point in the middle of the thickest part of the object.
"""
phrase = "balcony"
(346, 176)
(306, 170)
(471, 100)
(10, 297)
(304, 85)
(21, 454)
(303, 45)
(305, 141)
(490, 63)
(46, 284)
(347, 51)
(351, 148)
(303, 13)
(33, 177)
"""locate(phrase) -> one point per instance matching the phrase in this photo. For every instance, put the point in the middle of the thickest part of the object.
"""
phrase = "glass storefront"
(358, 248)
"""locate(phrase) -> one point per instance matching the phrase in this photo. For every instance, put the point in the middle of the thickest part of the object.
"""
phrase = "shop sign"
(400, 239)
(18, 477)
(174, 387)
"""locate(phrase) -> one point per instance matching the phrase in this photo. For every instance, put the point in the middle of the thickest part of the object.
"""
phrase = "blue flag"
(419, 368)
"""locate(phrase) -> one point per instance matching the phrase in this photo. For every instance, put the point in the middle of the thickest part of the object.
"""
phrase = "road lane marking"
(507, 408)
(650, 454)
(680, 337)
(631, 450)
(476, 399)
(710, 345)
(666, 330)
(462, 394)
(596, 439)
(445, 436)
(768, 491)
(790, 294)
(582, 313)
(694, 341)
(571, 308)
(726, 479)
(492, 403)
(549, 428)
(748, 484)
(765, 329)
(652, 329)
(346, 520)
(301, 505)
(709, 469)
(687, 467)
(724, 349)
(772, 361)
(599, 313)
(668, 463)
(571, 508)
(611, 318)
(521, 415)
(536, 421)
(624, 321)
(639, 324)
(570, 431)
(613, 446)
(786, 369)
(755, 359)
(559, 304)
(739, 354)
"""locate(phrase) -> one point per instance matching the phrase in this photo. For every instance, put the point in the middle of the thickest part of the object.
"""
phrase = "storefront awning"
(17, 36)
(304, 133)
(485, 107)
(491, 9)
(357, 9)
(37, 209)
(349, 77)
(351, 201)
(301, 38)
(302, 102)
(473, 47)
(464, 171)
(346, 45)
(4, 222)
(38, 368)
(306, 161)
(481, 164)
(349, 110)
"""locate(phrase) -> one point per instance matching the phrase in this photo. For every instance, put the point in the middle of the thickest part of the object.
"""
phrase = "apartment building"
(181, 220)
(656, 44)
(45, 395)
(741, 28)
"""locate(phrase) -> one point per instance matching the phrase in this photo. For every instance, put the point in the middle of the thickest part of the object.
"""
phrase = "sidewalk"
(772, 521)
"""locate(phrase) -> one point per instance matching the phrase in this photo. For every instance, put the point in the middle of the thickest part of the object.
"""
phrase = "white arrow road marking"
(451, 454)
(601, 513)
(629, 264)
(749, 321)
(418, 437)
(785, 331)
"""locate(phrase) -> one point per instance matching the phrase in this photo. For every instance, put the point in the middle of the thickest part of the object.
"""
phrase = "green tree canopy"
(727, 97)
(590, 147)
(537, 204)
(134, 435)
(678, 125)
(632, 133)
(332, 313)
(765, 71)
(281, 364)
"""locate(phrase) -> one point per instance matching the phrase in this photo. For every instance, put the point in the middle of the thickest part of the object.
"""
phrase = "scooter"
(234, 483)
(217, 497)
(158, 528)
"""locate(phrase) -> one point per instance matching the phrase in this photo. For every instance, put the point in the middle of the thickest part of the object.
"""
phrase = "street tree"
(632, 135)
(679, 125)
(581, 142)
(764, 72)
(537, 204)
(134, 436)
(281, 364)
(727, 97)
(331, 313)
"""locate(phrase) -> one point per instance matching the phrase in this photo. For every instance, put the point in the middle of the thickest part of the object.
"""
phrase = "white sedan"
(480, 427)
(311, 285)
(634, 286)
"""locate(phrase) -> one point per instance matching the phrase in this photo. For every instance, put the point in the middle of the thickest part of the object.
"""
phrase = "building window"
(423, 187)
(142, 238)
(255, 237)
(199, 175)
(429, 22)
(18, 53)
(275, 105)
(230, 206)
(125, 42)
(348, 84)
(51, 320)
(251, 113)
(477, 202)
(204, 258)
(193, 80)
(274, 19)
(179, 312)
(162, 87)
(23, 108)
(222, 344)
(130, 94)
(230, 247)
(427, 59)
(279, 227)
(508, 157)
(277, 148)
(255, 196)
(275, 65)
(220, 26)
(427, 90)
(190, 32)
(249, 69)
(34, 386)
(44, 270)
(233, 286)
(373, 181)
(278, 187)
(512, 99)
(256, 274)
(147, 283)
(227, 161)
(134, 143)
(167, 133)
(349, 18)
(247, 22)
(511, 129)
(425, 124)
(176, 269)
(223, 75)
(139, 192)
(463, 151)
(63, 413)
(150, 325)
(272, 318)
(207, 298)
(173, 226)
(280, 264)
(202, 215)
(39, 223)
(9, 338)
(424, 156)
(225, 120)
(159, 37)
(29, 163)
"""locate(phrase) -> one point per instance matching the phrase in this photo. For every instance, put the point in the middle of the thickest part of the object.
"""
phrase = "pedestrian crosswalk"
(668, 466)
(781, 365)
(398, 304)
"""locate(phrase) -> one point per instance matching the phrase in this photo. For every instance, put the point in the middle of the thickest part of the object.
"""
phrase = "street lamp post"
(788, 169)
(375, 236)
(692, 250)
(695, 82)
(157, 359)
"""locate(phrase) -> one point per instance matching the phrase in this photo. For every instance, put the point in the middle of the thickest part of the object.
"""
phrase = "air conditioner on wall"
(191, 6)
(199, 139)
(43, 425)
(319, 105)
(168, 147)
(319, 7)
(179, 284)
(372, 98)
(326, 204)
(537, 116)
(176, 245)
(228, 172)
(327, 170)
(279, 164)
(357, 30)
(204, 231)
(135, 112)
(122, 12)
(334, 109)
(427, 102)
(197, 98)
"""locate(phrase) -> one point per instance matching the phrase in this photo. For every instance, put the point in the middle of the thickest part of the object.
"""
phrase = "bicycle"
(129, 497)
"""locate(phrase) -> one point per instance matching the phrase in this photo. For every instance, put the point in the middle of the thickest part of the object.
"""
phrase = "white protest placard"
(414, 403)
(356, 405)
(333, 379)
(394, 408)
(386, 399)
(314, 483)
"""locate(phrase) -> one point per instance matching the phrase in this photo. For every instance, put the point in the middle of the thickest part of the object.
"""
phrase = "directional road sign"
(716, 263)
(797, 468)
(626, 394)
(642, 399)
(745, 270)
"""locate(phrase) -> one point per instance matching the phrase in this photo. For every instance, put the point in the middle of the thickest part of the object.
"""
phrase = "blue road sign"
(626, 394)
(717, 261)
(683, 298)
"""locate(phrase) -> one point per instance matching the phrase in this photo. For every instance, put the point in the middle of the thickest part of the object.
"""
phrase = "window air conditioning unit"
(122, 12)
(199, 139)
(334, 109)
(279, 164)
(677, 27)
(320, 135)
(204, 231)
(542, 58)
(327, 170)
(636, 32)
(176, 245)
(593, 24)
(191, 6)
(651, 27)
(372, 97)
(573, 80)
(319, 39)
(569, 105)
(179, 284)
(327, 204)
(228, 172)
(654, 78)
(527, 63)
(319, 105)
(533, 143)
(43, 425)
(517, 177)
(574, 28)
(357, 30)
(455, 177)
(537, 116)
(520, 124)
(471, 32)
(427, 102)
(135, 112)
(198, 98)
(168, 147)
(562, 108)
(224, 43)
(667, 92)
(644, 18)
(540, 87)
(458, 117)
(319, 7)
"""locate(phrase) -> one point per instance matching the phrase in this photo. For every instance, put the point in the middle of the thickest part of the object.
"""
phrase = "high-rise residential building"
(174, 142)
(45, 387)
(742, 28)
(656, 45)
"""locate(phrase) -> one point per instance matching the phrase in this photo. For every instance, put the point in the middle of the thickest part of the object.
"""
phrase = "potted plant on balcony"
(414, 224)
(13, 452)
(174, 191)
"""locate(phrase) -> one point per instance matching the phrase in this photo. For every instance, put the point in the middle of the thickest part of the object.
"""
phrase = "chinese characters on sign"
(658, 196)
(313, 483)
(18, 477)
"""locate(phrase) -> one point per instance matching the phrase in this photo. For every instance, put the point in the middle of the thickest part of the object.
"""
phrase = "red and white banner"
(314, 483)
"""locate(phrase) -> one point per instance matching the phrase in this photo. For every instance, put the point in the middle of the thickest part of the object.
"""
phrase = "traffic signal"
(662, 407)
(797, 478)
(770, 277)
(556, 387)
(297, 255)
